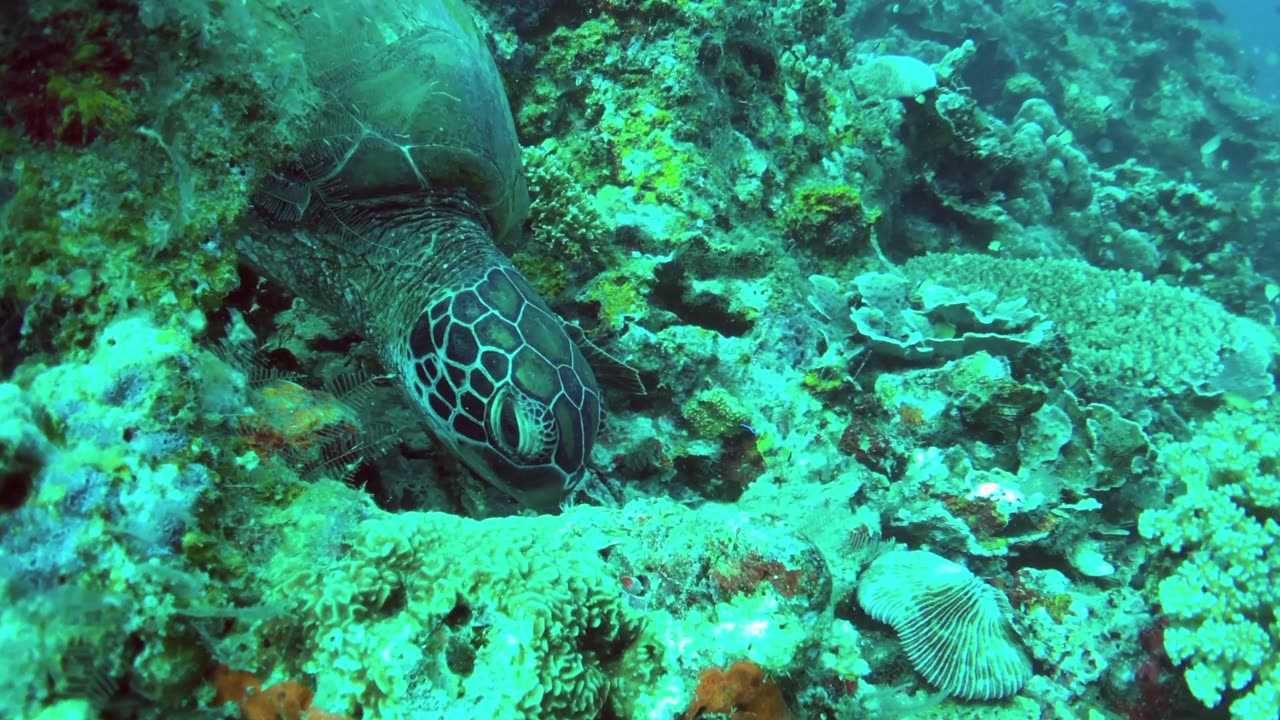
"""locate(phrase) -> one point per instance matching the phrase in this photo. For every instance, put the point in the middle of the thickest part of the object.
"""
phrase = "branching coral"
(1220, 598)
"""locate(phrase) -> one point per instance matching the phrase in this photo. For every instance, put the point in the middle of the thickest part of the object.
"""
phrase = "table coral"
(913, 319)
(1134, 338)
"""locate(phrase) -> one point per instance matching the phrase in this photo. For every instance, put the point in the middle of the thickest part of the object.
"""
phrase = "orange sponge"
(233, 686)
(282, 701)
(743, 692)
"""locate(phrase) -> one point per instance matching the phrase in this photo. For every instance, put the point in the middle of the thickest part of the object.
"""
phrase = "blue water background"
(1258, 23)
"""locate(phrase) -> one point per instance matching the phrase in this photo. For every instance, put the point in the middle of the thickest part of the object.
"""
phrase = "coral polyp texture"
(508, 624)
(639, 359)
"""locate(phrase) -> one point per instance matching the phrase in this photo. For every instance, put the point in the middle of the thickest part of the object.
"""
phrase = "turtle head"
(503, 383)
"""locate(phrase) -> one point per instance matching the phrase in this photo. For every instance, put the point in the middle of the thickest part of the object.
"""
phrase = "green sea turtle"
(389, 218)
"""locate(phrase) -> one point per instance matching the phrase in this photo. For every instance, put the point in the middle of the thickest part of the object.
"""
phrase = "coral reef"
(132, 142)
(992, 281)
(118, 448)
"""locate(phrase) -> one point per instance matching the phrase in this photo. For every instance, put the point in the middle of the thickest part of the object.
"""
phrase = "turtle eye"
(521, 427)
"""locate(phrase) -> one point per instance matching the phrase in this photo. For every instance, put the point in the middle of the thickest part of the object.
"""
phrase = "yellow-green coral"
(714, 413)
(829, 215)
(622, 294)
(619, 297)
(826, 380)
(122, 183)
(646, 153)
(86, 105)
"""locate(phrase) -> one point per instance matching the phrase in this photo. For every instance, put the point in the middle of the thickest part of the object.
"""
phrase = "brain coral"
(433, 615)
(1123, 332)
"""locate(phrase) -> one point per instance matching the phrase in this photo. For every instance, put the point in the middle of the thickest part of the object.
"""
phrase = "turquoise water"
(1257, 24)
